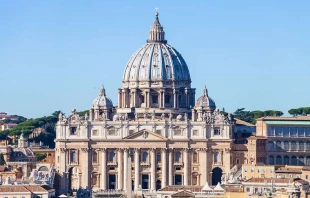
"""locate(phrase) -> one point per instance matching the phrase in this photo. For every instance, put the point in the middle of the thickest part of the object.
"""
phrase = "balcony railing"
(112, 163)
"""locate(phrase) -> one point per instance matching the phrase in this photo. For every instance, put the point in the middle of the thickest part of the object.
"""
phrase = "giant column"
(153, 169)
(62, 170)
(164, 168)
(137, 169)
(103, 168)
(170, 175)
(120, 169)
(186, 166)
(85, 167)
(125, 168)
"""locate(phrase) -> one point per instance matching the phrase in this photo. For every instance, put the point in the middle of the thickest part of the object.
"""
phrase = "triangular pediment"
(144, 135)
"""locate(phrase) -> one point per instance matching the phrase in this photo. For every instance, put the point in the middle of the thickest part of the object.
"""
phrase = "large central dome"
(156, 64)
(156, 79)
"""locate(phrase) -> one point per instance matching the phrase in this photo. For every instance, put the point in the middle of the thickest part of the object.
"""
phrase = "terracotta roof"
(297, 118)
(306, 168)
(13, 189)
(2, 168)
(183, 194)
(241, 122)
(288, 170)
(26, 188)
(176, 188)
(269, 180)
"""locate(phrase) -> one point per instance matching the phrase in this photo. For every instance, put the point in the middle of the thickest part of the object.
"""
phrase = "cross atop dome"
(157, 33)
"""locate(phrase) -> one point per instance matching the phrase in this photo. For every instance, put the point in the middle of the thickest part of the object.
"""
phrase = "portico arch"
(216, 175)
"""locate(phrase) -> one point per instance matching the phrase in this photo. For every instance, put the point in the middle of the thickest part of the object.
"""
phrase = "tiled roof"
(297, 118)
(241, 122)
(269, 180)
(288, 170)
(182, 194)
(176, 188)
(26, 188)
(13, 189)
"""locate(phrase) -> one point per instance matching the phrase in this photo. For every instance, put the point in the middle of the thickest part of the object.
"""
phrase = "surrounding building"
(171, 138)
(26, 191)
(288, 139)
(7, 126)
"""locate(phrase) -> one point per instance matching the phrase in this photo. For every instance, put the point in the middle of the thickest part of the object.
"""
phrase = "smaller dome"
(205, 101)
(115, 117)
(179, 117)
(102, 101)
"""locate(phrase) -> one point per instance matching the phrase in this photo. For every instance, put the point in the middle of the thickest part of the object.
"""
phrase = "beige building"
(26, 191)
(288, 139)
(257, 171)
(171, 138)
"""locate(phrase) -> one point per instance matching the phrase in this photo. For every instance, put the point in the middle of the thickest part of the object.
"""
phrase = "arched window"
(286, 146)
(158, 184)
(278, 159)
(195, 157)
(73, 156)
(271, 160)
(308, 161)
(294, 160)
(145, 156)
(279, 146)
(178, 156)
(301, 146)
(301, 161)
(95, 157)
(293, 146)
(94, 179)
(270, 146)
(286, 160)
(217, 157)
(308, 146)
(194, 180)
(112, 156)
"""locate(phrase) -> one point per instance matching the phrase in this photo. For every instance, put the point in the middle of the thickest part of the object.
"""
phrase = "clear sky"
(54, 55)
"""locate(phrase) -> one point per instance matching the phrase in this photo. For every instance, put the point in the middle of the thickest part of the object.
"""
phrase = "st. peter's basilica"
(171, 138)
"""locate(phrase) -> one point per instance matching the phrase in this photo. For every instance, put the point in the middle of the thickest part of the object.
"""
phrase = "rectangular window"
(112, 168)
(178, 168)
(72, 130)
(177, 132)
(131, 131)
(95, 132)
(158, 157)
(195, 133)
(217, 131)
(155, 99)
(112, 132)
(167, 99)
(158, 168)
(158, 132)
(306, 176)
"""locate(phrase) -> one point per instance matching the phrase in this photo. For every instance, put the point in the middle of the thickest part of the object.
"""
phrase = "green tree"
(293, 112)
(2, 161)
(241, 114)
(82, 113)
(306, 110)
(40, 156)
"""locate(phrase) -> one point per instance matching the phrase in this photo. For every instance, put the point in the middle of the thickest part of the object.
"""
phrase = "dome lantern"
(157, 33)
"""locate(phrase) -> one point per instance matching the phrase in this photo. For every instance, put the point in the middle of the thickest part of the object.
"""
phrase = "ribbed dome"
(102, 101)
(156, 61)
(205, 101)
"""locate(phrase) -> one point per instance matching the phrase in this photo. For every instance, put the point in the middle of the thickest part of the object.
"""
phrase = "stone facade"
(171, 138)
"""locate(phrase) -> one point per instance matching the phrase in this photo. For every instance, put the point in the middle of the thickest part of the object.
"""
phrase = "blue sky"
(54, 55)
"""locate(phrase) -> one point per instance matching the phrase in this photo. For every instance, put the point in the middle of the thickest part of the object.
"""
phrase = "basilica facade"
(171, 138)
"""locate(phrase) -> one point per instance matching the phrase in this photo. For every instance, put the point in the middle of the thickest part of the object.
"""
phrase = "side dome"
(156, 63)
(102, 101)
(205, 101)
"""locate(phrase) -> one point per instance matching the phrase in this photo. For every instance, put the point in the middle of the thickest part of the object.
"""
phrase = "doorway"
(216, 175)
